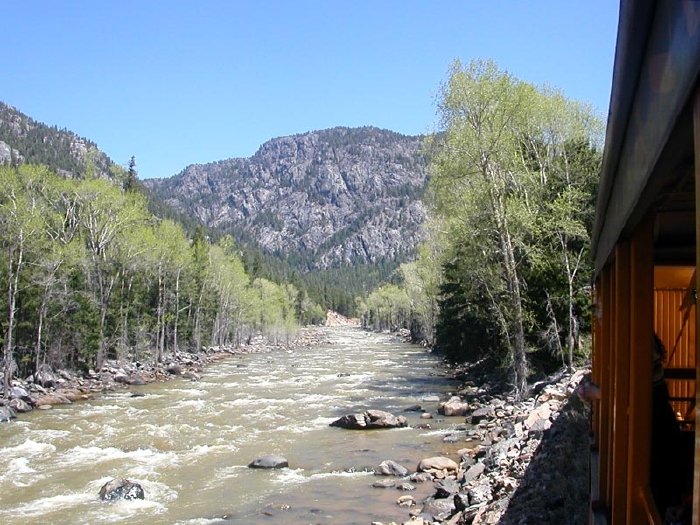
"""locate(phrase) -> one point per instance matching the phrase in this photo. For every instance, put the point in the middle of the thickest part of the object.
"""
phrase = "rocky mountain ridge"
(320, 199)
(25, 140)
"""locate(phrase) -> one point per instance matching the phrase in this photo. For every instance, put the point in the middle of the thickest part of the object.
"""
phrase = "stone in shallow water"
(390, 468)
(6, 414)
(269, 462)
(384, 484)
(121, 489)
(370, 419)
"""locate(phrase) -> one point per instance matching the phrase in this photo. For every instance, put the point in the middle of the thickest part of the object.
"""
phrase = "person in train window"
(666, 460)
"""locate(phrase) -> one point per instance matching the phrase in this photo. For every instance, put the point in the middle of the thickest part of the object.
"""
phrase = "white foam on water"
(269, 382)
(93, 455)
(322, 421)
(189, 392)
(240, 402)
(221, 427)
(195, 403)
(41, 506)
(19, 466)
(49, 434)
(29, 448)
(206, 450)
(93, 409)
(18, 473)
(294, 477)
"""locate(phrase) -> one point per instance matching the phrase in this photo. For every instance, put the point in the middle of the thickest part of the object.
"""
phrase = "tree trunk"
(40, 327)
(12, 288)
(512, 282)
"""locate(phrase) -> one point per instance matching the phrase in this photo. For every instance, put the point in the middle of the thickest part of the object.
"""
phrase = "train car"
(645, 465)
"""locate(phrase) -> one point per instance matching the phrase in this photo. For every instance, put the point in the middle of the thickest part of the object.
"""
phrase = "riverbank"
(530, 463)
(49, 388)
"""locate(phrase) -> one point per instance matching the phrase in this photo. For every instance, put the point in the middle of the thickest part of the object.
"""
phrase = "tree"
(61, 250)
(495, 169)
(422, 280)
(231, 280)
(131, 180)
(482, 109)
(106, 213)
(20, 227)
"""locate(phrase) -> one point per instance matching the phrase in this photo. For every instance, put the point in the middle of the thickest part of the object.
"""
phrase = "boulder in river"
(54, 398)
(121, 489)
(390, 468)
(6, 414)
(17, 392)
(20, 405)
(370, 419)
(173, 369)
(269, 462)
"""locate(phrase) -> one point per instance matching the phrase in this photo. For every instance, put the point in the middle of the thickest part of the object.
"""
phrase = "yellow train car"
(645, 465)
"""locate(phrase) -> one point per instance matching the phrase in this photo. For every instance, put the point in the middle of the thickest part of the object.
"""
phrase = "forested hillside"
(97, 268)
(24, 140)
(91, 275)
(487, 256)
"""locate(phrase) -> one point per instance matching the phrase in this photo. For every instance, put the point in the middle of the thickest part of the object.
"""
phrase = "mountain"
(323, 199)
(24, 140)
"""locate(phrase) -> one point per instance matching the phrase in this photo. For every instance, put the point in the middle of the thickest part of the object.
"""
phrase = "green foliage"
(512, 191)
(514, 177)
(91, 275)
(386, 308)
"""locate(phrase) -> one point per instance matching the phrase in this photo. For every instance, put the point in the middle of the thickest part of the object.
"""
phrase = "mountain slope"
(24, 140)
(322, 199)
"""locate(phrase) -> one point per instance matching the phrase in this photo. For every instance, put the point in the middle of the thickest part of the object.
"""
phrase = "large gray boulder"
(6, 414)
(269, 462)
(20, 405)
(370, 419)
(436, 464)
(390, 468)
(121, 489)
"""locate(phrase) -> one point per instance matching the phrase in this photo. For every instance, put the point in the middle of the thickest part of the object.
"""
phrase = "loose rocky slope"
(527, 462)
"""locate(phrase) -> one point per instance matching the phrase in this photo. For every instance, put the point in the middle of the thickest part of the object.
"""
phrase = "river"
(188, 443)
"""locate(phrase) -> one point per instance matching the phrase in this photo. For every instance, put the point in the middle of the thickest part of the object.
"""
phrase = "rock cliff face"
(324, 198)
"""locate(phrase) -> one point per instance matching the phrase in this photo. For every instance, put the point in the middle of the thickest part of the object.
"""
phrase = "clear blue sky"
(180, 82)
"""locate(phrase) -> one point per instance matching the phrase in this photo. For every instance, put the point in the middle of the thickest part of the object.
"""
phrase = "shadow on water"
(555, 488)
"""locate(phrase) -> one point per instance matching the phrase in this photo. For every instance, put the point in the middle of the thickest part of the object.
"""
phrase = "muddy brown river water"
(188, 443)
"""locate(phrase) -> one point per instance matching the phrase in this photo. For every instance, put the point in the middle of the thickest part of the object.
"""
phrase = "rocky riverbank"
(48, 388)
(523, 462)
